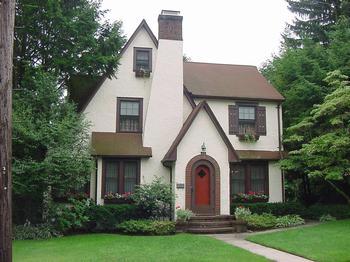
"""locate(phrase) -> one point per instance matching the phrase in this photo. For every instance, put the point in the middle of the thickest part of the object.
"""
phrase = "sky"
(244, 32)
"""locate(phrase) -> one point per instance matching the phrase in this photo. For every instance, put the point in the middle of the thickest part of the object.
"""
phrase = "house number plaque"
(180, 185)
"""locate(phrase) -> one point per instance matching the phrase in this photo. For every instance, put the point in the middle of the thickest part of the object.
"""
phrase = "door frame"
(210, 210)
(214, 170)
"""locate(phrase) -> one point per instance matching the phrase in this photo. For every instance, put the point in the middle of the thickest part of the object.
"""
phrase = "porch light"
(204, 148)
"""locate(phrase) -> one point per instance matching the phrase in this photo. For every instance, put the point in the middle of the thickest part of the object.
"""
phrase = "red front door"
(202, 187)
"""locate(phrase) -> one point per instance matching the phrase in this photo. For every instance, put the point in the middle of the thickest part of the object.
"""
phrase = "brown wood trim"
(188, 180)
(140, 100)
(189, 97)
(171, 154)
(237, 98)
(121, 162)
(149, 50)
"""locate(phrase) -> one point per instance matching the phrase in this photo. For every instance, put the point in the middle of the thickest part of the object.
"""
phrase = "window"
(246, 119)
(120, 175)
(129, 115)
(142, 59)
(249, 176)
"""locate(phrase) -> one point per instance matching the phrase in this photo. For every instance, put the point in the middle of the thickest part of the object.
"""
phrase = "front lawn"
(110, 247)
(325, 242)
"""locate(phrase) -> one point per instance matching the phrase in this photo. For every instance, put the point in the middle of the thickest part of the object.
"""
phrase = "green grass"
(325, 242)
(113, 247)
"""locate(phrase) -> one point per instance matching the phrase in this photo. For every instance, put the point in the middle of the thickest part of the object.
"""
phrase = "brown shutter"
(233, 119)
(261, 121)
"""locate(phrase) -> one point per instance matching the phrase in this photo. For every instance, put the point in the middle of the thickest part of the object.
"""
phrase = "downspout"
(96, 162)
(171, 191)
(280, 147)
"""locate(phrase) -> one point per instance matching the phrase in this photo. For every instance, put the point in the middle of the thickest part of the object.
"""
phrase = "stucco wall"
(275, 182)
(101, 111)
(268, 142)
(202, 130)
(165, 110)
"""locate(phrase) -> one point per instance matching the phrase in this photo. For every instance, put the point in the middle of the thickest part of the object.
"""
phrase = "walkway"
(238, 240)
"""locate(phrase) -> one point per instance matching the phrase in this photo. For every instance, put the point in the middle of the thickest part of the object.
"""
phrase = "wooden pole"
(7, 19)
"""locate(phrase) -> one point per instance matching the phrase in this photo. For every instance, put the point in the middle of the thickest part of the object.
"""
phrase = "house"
(211, 130)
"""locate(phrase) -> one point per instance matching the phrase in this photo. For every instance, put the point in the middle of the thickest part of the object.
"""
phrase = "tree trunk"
(7, 17)
(341, 192)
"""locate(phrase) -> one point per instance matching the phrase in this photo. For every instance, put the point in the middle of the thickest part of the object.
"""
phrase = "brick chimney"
(170, 25)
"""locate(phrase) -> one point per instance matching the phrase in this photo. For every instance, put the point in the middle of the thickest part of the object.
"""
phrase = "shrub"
(29, 231)
(105, 218)
(289, 221)
(337, 211)
(146, 227)
(277, 209)
(184, 214)
(70, 217)
(154, 199)
(241, 213)
(260, 222)
(327, 218)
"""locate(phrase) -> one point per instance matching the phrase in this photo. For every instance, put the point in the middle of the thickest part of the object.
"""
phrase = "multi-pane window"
(129, 118)
(249, 177)
(246, 119)
(142, 59)
(120, 175)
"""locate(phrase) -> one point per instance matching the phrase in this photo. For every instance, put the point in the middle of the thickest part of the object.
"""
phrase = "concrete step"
(210, 224)
(212, 218)
(217, 230)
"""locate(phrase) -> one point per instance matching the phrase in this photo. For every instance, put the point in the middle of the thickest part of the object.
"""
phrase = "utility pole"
(7, 19)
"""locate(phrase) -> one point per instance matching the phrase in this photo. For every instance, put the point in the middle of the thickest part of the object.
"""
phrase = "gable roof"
(171, 155)
(204, 80)
(83, 88)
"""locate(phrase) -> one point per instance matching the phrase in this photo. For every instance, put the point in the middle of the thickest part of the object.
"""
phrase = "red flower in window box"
(250, 197)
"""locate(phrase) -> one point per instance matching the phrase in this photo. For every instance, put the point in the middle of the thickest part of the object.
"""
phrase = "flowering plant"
(251, 197)
(241, 213)
(183, 214)
(112, 196)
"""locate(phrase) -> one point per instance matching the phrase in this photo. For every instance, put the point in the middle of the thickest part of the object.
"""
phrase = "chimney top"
(170, 25)
(170, 12)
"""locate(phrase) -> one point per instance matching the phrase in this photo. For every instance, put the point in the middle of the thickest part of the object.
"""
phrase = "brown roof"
(228, 81)
(256, 154)
(119, 144)
(171, 155)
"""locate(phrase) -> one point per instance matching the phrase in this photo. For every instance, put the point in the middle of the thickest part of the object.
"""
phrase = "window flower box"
(142, 73)
(251, 197)
(251, 138)
(115, 198)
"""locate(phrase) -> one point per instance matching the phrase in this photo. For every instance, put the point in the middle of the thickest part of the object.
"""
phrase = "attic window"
(142, 60)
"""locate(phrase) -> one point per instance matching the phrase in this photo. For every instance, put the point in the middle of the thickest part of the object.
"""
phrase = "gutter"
(96, 180)
(171, 215)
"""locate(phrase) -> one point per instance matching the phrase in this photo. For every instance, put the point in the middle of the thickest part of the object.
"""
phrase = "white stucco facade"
(165, 110)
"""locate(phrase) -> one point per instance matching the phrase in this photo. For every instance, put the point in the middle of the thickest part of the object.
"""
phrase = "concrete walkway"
(238, 240)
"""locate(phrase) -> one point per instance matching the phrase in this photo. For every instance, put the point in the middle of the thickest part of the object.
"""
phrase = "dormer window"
(142, 61)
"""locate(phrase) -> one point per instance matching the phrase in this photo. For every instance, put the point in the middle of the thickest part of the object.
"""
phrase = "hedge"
(288, 208)
(105, 218)
(147, 227)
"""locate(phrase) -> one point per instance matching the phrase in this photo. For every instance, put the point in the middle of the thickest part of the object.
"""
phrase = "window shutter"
(233, 119)
(261, 121)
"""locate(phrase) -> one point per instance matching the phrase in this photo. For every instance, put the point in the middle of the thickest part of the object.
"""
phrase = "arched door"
(203, 190)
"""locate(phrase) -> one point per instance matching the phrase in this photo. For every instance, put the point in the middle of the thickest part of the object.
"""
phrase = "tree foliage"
(50, 140)
(65, 37)
(325, 137)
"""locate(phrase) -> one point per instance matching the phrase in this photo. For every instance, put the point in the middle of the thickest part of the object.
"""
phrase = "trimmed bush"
(318, 210)
(29, 231)
(261, 222)
(277, 209)
(146, 227)
(289, 221)
(105, 218)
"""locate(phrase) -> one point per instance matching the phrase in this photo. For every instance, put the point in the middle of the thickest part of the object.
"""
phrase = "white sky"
(221, 31)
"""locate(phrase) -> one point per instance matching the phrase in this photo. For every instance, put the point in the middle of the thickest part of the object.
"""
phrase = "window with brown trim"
(120, 175)
(247, 118)
(142, 59)
(249, 177)
(129, 114)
